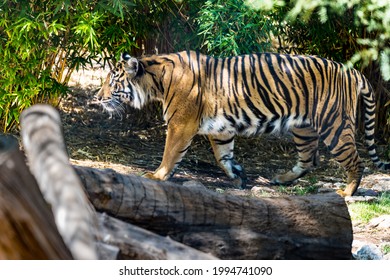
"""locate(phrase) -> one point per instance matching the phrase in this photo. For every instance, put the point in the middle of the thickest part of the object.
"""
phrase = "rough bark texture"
(229, 227)
(27, 228)
(135, 243)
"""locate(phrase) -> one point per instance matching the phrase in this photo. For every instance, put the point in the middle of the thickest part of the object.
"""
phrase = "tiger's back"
(249, 95)
(263, 93)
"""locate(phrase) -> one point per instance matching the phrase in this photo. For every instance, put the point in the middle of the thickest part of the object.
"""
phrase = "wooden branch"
(229, 227)
(27, 230)
(136, 243)
(61, 187)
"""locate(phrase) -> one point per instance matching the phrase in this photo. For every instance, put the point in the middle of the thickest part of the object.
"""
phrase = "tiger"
(310, 97)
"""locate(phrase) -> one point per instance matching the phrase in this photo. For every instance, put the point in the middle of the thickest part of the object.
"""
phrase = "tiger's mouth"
(113, 106)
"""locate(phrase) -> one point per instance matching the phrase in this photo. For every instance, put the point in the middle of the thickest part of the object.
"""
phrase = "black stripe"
(223, 142)
(185, 149)
(245, 88)
(221, 74)
(264, 95)
(170, 118)
(336, 137)
(247, 119)
(216, 61)
(208, 58)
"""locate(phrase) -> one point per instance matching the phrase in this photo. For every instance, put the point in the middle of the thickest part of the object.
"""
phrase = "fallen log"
(27, 228)
(136, 243)
(229, 227)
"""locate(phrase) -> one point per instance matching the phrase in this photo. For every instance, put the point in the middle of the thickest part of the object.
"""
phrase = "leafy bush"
(42, 42)
(231, 28)
(357, 31)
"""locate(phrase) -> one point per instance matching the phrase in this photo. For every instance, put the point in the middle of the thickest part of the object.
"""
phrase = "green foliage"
(183, 26)
(42, 42)
(386, 249)
(364, 211)
(356, 31)
(231, 28)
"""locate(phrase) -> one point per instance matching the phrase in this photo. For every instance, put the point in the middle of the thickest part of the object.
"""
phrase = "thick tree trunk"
(27, 228)
(229, 227)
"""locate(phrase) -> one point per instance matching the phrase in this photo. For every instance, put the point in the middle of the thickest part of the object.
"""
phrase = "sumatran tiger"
(315, 98)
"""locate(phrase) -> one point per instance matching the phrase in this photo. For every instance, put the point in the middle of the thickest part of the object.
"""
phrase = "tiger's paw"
(284, 179)
(289, 177)
(240, 179)
(342, 193)
(151, 176)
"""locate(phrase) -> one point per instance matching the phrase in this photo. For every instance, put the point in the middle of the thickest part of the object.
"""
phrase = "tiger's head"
(123, 86)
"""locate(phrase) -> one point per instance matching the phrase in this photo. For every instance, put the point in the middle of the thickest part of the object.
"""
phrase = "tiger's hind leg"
(306, 141)
(345, 152)
(223, 147)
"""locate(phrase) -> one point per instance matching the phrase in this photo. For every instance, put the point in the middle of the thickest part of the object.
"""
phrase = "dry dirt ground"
(134, 142)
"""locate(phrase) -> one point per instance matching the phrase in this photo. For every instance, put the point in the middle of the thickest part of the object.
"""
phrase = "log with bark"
(229, 227)
(136, 243)
(27, 228)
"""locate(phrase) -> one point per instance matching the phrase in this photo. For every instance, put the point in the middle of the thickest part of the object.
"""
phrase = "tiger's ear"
(131, 64)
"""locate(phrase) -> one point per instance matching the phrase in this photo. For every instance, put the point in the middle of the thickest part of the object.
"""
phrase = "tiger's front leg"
(223, 146)
(177, 142)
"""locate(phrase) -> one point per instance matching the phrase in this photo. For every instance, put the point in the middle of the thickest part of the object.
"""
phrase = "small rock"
(259, 190)
(382, 222)
(366, 192)
(325, 190)
(333, 179)
(328, 185)
(368, 252)
(354, 199)
(360, 191)
(377, 182)
(320, 184)
(339, 185)
(371, 193)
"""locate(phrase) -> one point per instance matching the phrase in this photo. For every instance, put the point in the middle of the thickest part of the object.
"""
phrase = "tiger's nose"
(98, 99)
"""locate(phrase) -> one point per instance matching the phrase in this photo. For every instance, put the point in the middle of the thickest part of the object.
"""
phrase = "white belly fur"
(220, 125)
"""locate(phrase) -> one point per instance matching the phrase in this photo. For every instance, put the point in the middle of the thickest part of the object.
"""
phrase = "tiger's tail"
(367, 94)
